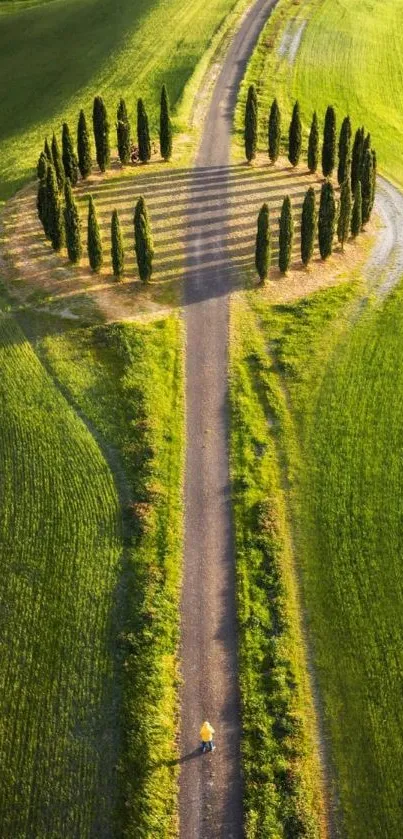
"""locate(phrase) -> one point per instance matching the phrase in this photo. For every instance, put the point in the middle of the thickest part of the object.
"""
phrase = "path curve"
(384, 268)
(210, 785)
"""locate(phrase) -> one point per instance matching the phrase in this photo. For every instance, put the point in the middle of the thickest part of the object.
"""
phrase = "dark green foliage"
(308, 226)
(83, 146)
(72, 225)
(344, 150)
(143, 132)
(41, 201)
(356, 161)
(286, 236)
(123, 133)
(327, 219)
(70, 162)
(374, 174)
(47, 151)
(251, 124)
(295, 136)
(262, 252)
(344, 220)
(366, 146)
(313, 144)
(42, 166)
(165, 126)
(117, 249)
(356, 218)
(367, 186)
(143, 240)
(54, 215)
(274, 131)
(329, 142)
(101, 133)
(58, 162)
(94, 241)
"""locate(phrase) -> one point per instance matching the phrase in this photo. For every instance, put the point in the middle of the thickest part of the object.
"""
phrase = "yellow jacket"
(206, 732)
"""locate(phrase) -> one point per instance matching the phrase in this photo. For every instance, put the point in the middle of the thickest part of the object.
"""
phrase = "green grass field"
(91, 544)
(113, 49)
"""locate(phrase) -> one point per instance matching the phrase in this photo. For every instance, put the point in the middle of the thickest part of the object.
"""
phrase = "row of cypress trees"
(68, 164)
(343, 217)
(61, 223)
(350, 158)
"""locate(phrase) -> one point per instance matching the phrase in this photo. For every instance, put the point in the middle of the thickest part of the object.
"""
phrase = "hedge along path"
(60, 547)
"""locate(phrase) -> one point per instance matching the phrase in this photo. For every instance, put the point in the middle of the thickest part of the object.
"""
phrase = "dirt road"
(210, 787)
(385, 265)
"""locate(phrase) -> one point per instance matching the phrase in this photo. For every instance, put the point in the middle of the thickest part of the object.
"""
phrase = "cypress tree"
(165, 126)
(344, 150)
(54, 215)
(94, 241)
(374, 173)
(262, 252)
(143, 133)
(83, 146)
(313, 144)
(41, 198)
(117, 249)
(58, 162)
(329, 142)
(101, 133)
(72, 224)
(69, 157)
(286, 235)
(123, 133)
(356, 160)
(308, 226)
(274, 131)
(47, 151)
(366, 146)
(295, 137)
(42, 166)
(356, 218)
(143, 241)
(367, 186)
(251, 124)
(327, 219)
(344, 220)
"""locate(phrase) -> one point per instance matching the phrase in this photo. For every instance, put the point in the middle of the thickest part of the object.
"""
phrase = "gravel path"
(385, 265)
(210, 786)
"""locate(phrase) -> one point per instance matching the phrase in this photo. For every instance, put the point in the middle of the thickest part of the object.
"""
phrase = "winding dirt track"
(210, 786)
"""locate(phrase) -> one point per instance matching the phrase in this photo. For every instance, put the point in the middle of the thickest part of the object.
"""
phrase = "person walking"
(206, 737)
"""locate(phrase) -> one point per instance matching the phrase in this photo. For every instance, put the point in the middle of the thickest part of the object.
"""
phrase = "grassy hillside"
(56, 56)
(349, 55)
(96, 583)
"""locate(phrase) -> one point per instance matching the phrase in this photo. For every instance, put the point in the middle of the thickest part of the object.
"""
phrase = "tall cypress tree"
(165, 126)
(58, 162)
(367, 185)
(101, 133)
(48, 151)
(356, 160)
(41, 200)
(54, 215)
(94, 241)
(366, 146)
(83, 146)
(329, 142)
(263, 250)
(374, 174)
(251, 124)
(356, 217)
(143, 132)
(286, 235)
(344, 150)
(143, 241)
(117, 249)
(42, 166)
(313, 144)
(70, 162)
(123, 133)
(295, 136)
(344, 220)
(274, 131)
(308, 226)
(72, 225)
(327, 219)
